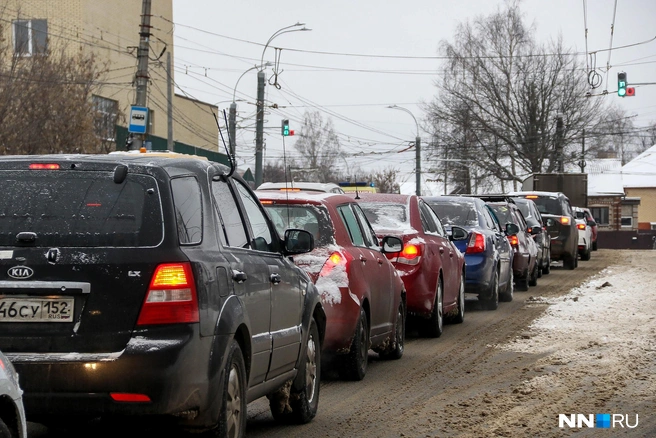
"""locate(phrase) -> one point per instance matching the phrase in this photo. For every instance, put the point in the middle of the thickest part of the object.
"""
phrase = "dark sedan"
(488, 255)
(537, 228)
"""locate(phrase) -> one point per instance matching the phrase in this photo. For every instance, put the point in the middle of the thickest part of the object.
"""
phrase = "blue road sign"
(138, 119)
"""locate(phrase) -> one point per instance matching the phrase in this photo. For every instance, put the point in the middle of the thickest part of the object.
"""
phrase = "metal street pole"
(417, 150)
(142, 66)
(259, 119)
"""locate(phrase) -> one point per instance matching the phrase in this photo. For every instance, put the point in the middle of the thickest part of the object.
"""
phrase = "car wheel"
(508, 294)
(4, 430)
(459, 317)
(523, 282)
(396, 350)
(232, 417)
(492, 301)
(533, 278)
(354, 364)
(434, 326)
(570, 262)
(547, 266)
(298, 402)
(594, 245)
(586, 255)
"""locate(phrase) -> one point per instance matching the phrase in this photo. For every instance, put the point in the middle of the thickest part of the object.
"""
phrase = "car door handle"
(380, 261)
(275, 278)
(363, 259)
(239, 276)
(451, 254)
(441, 250)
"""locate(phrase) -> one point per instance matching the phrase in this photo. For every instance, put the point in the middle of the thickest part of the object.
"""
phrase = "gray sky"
(216, 41)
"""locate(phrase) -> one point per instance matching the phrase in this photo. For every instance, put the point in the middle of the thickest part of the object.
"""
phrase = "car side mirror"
(511, 229)
(298, 241)
(458, 233)
(392, 244)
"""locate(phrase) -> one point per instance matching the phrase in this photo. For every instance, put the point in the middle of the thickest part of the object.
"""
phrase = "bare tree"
(502, 95)
(613, 136)
(385, 180)
(46, 101)
(319, 148)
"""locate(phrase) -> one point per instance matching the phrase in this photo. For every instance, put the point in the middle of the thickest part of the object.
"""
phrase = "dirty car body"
(141, 284)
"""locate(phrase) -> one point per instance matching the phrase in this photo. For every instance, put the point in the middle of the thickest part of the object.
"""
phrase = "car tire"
(5, 431)
(585, 256)
(570, 262)
(492, 301)
(523, 282)
(396, 349)
(434, 326)
(546, 269)
(533, 278)
(594, 245)
(508, 294)
(459, 316)
(233, 416)
(354, 365)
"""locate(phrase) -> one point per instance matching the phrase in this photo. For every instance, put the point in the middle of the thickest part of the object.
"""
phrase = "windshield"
(80, 209)
(385, 216)
(312, 218)
(462, 214)
(547, 205)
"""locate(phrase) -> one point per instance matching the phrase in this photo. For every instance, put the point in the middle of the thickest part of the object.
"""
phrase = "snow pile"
(587, 318)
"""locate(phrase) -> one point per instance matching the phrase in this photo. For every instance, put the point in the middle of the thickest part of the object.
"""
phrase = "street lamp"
(259, 120)
(417, 150)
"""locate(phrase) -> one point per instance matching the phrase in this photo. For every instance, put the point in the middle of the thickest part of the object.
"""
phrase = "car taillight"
(336, 259)
(476, 243)
(411, 254)
(171, 297)
(580, 226)
(44, 166)
(564, 220)
(514, 240)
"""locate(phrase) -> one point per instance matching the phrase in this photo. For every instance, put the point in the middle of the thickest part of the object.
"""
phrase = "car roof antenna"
(357, 194)
(231, 159)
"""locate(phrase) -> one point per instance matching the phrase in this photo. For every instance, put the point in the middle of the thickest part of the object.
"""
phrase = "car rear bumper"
(478, 274)
(420, 296)
(172, 373)
(341, 320)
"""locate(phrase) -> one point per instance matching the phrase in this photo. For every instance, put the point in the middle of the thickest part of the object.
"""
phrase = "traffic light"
(285, 127)
(621, 84)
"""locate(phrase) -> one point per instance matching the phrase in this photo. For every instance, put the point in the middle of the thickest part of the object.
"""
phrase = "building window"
(30, 37)
(600, 215)
(106, 116)
(627, 216)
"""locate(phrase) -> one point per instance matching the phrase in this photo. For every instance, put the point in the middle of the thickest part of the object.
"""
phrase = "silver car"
(12, 413)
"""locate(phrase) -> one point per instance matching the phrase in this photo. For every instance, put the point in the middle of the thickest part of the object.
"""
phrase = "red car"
(363, 295)
(432, 268)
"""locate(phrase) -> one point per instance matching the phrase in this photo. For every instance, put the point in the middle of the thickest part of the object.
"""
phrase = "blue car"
(488, 253)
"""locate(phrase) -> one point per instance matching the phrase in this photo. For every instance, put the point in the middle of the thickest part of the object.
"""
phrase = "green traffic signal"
(285, 127)
(621, 84)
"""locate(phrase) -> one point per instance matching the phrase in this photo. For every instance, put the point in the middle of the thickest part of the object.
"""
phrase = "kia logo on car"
(20, 272)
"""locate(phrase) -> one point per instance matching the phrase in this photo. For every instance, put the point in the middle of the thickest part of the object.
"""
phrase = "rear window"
(461, 214)
(312, 218)
(503, 214)
(79, 209)
(385, 216)
(547, 205)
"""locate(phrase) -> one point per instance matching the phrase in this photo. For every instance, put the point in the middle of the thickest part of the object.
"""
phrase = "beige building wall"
(110, 29)
(647, 209)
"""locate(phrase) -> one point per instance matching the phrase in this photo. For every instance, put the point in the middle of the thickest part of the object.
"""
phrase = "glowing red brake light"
(476, 243)
(44, 166)
(171, 297)
(125, 397)
(514, 240)
(335, 259)
(411, 254)
(580, 226)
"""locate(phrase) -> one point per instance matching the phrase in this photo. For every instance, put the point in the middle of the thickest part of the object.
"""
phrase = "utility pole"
(169, 103)
(559, 145)
(142, 66)
(259, 128)
(418, 165)
(232, 129)
(582, 162)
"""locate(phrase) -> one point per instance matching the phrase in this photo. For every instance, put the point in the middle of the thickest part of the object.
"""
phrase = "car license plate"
(22, 309)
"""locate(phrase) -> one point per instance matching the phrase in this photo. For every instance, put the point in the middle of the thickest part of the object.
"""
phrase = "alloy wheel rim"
(364, 348)
(462, 296)
(439, 305)
(233, 405)
(310, 369)
(400, 327)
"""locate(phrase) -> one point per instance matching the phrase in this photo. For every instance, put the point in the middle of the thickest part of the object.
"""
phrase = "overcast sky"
(216, 41)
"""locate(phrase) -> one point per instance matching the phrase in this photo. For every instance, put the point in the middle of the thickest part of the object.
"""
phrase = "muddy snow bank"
(615, 311)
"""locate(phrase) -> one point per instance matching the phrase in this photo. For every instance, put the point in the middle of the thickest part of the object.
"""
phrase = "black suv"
(557, 213)
(152, 284)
